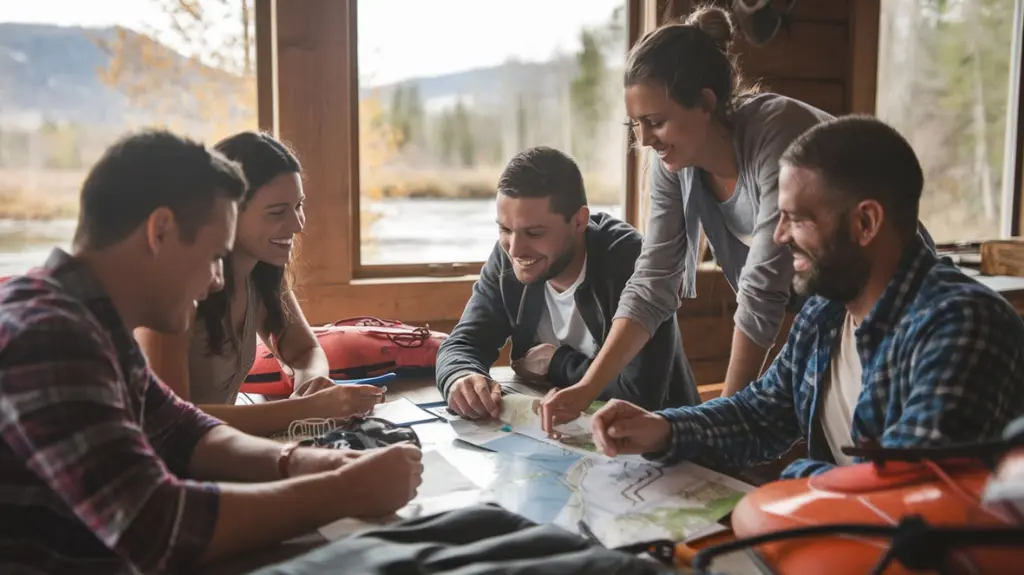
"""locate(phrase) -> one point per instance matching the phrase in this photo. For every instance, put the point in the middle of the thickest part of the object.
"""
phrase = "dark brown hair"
(262, 158)
(863, 158)
(688, 56)
(543, 172)
(147, 170)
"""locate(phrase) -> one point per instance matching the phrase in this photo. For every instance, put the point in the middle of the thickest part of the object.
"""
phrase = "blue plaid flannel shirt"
(942, 362)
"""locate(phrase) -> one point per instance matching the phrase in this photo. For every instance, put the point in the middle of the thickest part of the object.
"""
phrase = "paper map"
(623, 500)
(522, 413)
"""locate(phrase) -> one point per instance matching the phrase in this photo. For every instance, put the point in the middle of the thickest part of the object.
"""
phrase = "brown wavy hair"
(690, 55)
(262, 158)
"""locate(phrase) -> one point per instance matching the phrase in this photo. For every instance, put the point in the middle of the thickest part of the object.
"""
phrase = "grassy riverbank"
(53, 194)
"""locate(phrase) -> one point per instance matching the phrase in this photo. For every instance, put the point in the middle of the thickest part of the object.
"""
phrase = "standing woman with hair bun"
(718, 143)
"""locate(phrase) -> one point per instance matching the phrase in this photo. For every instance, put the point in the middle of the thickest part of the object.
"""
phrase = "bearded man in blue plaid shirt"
(897, 347)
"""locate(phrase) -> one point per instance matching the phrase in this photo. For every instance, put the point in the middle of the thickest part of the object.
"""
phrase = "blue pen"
(380, 379)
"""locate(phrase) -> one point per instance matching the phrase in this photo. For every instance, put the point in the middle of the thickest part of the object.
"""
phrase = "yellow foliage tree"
(378, 143)
(193, 72)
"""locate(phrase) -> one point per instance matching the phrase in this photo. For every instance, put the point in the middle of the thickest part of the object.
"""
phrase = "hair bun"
(715, 22)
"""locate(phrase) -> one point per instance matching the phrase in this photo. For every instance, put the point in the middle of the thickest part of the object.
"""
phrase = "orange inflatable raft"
(356, 348)
(949, 510)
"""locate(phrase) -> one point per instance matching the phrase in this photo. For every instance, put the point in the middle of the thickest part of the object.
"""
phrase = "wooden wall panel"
(809, 51)
(828, 95)
(821, 10)
(862, 74)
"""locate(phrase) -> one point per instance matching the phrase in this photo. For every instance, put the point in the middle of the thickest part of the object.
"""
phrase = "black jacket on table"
(501, 308)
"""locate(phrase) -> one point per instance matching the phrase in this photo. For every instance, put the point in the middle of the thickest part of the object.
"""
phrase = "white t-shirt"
(561, 323)
(841, 393)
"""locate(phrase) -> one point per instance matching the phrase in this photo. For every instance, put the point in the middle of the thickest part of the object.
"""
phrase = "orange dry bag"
(356, 348)
(905, 511)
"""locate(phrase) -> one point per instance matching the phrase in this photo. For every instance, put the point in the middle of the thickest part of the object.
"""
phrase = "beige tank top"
(216, 379)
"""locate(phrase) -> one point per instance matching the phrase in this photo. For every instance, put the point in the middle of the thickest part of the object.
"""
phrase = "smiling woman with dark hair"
(714, 142)
(208, 365)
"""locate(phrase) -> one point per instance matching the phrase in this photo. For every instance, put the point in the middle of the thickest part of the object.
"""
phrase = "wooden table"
(479, 465)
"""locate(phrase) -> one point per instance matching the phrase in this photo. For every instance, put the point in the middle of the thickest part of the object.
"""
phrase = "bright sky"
(404, 38)
(397, 38)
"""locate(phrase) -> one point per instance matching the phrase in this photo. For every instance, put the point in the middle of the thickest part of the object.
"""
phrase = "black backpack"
(478, 540)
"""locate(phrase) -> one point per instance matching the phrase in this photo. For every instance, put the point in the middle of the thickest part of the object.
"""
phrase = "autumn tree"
(192, 71)
(195, 71)
(378, 143)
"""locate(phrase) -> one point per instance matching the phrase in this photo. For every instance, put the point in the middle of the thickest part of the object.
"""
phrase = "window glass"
(74, 76)
(943, 82)
(450, 90)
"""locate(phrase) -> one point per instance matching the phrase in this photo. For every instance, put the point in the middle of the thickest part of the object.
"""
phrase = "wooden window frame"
(308, 97)
(307, 88)
(1015, 148)
(451, 270)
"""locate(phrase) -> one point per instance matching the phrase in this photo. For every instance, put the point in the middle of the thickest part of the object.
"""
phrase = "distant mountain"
(486, 85)
(50, 73)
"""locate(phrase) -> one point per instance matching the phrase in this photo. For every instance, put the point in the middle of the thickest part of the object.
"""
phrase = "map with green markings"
(622, 500)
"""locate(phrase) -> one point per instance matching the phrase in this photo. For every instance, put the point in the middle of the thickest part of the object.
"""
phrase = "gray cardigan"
(761, 273)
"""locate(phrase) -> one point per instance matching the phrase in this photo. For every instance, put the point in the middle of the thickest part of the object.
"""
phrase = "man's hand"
(475, 396)
(311, 386)
(534, 365)
(382, 481)
(623, 428)
(310, 460)
(564, 405)
(343, 401)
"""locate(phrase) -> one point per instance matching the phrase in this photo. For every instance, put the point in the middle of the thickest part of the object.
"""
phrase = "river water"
(403, 231)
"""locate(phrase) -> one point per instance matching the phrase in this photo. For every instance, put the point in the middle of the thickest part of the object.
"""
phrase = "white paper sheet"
(440, 477)
(444, 488)
(402, 412)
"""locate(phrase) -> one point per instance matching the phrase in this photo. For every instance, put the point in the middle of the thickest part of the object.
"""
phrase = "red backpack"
(356, 348)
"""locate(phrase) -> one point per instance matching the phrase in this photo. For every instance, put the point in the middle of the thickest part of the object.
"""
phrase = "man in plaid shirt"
(897, 348)
(102, 468)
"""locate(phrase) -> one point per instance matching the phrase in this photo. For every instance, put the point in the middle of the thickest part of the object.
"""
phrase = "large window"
(945, 82)
(75, 75)
(449, 90)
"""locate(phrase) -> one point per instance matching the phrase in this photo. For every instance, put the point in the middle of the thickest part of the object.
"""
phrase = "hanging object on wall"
(761, 20)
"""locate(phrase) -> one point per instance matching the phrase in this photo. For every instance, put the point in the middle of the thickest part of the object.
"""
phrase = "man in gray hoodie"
(552, 284)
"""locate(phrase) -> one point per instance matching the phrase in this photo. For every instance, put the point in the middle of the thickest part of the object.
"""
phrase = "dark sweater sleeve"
(476, 341)
(645, 378)
(642, 382)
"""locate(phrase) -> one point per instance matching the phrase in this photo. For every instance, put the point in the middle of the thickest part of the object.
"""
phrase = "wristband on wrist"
(284, 458)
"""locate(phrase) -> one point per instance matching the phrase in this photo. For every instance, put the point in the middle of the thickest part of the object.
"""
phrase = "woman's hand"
(564, 405)
(312, 385)
(345, 400)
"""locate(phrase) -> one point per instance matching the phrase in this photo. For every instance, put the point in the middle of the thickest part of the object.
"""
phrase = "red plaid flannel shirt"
(94, 448)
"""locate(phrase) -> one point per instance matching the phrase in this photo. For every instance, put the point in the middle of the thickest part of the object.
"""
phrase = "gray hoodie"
(739, 230)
